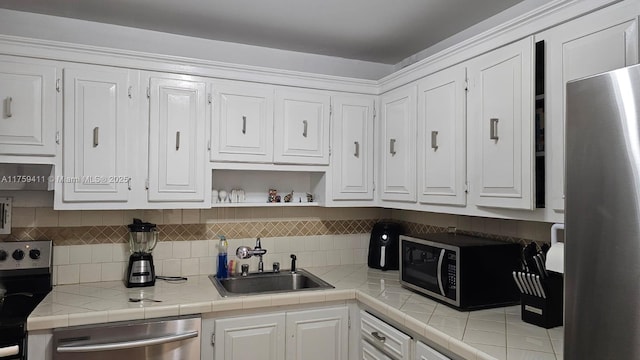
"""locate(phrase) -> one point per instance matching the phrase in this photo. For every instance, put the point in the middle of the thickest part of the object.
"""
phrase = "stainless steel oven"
(175, 338)
(462, 271)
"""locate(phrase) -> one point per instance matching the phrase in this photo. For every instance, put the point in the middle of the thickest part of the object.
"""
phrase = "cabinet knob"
(304, 126)
(244, 124)
(357, 152)
(392, 146)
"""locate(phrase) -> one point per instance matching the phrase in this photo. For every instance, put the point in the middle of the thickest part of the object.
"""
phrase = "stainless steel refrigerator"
(602, 218)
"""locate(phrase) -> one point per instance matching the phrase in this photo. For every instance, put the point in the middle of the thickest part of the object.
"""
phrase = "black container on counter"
(383, 246)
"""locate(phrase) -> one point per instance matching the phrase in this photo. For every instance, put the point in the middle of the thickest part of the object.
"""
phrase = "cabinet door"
(369, 352)
(177, 116)
(259, 337)
(501, 127)
(95, 146)
(424, 352)
(242, 123)
(301, 127)
(352, 139)
(398, 144)
(581, 48)
(318, 334)
(28, 105)
(441, 137)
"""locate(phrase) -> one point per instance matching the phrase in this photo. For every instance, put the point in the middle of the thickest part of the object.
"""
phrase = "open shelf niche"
(256, 185)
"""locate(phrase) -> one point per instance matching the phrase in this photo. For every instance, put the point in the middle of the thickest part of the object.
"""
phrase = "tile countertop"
(499, 333)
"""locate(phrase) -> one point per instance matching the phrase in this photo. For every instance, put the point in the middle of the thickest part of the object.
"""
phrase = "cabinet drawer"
(393, 341)
(424, 352)
(371, 353)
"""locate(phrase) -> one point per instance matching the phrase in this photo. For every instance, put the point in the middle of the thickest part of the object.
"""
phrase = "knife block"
(546, 313)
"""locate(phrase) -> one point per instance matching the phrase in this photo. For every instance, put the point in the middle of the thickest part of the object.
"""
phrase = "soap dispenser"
(222, 271)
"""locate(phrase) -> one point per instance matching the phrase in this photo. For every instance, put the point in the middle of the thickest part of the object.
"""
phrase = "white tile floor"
(498, 332)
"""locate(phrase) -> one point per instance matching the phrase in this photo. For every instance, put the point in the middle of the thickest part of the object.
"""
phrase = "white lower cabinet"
(320, 334)
(424, 352)
(259, 337)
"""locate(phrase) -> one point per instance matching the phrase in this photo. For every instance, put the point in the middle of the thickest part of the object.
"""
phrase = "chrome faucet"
(245, 252)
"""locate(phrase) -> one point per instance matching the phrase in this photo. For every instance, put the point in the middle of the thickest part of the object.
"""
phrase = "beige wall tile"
(243, 214)
(46, 217)
(129, 215)
(90, 273)
(172, 216)
(226, 214)
(509, 227)
(266, 213)
(70, 218)
(153, 216)
(191, 216)
(464, 223)
(113, 217)
(23, 217)
(208, 215)
(492, 226)
(91, 218)
(443, 220)
(68, 274)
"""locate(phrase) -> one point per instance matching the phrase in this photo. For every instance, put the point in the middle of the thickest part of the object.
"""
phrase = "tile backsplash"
(93, 246)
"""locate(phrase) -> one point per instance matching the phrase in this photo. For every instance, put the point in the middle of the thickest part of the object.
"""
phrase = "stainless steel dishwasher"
(174, 338)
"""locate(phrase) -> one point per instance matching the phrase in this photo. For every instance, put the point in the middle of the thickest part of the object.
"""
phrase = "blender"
(143, 237)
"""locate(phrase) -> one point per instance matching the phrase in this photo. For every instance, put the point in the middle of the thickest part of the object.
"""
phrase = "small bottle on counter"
(222, 271)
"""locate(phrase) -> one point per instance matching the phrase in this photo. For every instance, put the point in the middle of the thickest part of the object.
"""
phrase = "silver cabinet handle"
(357, 153)
(96, 136)
(304, 131)
(493, 129)
(392, 147)
(125, 344)
(177, 140)
(378, 337)
(129, 183)
(7, 107)
(244, 124)
(434, 140)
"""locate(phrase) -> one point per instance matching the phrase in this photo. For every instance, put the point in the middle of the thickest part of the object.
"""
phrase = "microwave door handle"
(439, 272)
(383, 253)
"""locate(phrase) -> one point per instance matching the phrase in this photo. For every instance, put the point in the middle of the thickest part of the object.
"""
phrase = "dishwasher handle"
(125, 344)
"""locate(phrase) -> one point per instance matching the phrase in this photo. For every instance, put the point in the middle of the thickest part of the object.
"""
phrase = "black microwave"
(464, 272)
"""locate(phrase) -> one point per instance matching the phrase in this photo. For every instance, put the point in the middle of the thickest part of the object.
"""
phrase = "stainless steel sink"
(269, 282)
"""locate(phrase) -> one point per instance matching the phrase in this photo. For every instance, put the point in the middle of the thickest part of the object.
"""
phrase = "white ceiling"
(383, 31)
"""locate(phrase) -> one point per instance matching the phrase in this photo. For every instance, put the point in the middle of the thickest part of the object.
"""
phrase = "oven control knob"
(18, 254)
(3, 255)
(34, 254)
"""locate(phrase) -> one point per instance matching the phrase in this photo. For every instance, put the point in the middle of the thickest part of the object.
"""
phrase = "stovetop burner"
(25, 279)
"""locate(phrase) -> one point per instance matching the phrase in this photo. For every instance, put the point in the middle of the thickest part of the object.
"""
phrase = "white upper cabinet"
(177, 148)
(596, 43)
(352, 145)
(500, 127)
(397, 148)
(441, 137)
(95, 148)
(28, 108)
(242, 128)
(301, 131)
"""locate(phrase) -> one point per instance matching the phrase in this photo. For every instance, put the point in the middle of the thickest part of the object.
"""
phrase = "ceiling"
(382, 31)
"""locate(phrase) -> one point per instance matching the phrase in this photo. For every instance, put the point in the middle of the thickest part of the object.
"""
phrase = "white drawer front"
(393, 341)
